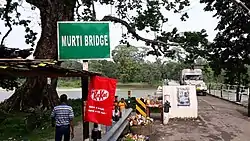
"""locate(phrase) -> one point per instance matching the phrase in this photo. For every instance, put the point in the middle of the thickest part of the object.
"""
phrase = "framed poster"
(183, 98)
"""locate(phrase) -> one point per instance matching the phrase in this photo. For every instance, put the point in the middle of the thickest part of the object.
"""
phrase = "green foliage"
(147, 15)
(228, 53)
(72, 64)
(69, 83)
(230, 49)
(107, 68)
(8, 83)
(12, 17)
(22, 125)
(129, 66)
(32, 126)
(127, 60)
(76, 105)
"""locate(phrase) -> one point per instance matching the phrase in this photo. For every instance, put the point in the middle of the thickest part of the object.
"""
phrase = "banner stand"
(99, 104)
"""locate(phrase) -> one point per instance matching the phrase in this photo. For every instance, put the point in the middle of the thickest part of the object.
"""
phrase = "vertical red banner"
(100, 100)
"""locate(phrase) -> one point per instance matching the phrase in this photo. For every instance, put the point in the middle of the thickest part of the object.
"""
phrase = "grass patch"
(136, 86)
(35, 126)
(69, 83)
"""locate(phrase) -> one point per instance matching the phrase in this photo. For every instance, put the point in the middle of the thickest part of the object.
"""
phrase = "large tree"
(146, 15)
(128, 60)
(230, 49)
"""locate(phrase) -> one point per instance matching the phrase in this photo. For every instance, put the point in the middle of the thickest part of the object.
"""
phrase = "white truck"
(194, 77)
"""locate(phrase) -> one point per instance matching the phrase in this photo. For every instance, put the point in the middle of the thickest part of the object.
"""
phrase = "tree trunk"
(35, 92)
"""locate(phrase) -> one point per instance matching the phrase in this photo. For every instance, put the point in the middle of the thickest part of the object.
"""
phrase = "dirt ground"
(218, 121)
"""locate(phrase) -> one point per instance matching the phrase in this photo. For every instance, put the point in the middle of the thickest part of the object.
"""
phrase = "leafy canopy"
(230, 49)
(135, 15)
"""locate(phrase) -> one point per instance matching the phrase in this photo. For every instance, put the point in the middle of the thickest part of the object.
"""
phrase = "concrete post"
(221, 91)
(248, 107)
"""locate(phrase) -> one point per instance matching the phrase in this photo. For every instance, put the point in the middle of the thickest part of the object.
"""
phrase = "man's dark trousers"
(64, 131)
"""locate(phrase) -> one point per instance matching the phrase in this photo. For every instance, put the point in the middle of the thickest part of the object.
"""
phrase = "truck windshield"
(193, 77)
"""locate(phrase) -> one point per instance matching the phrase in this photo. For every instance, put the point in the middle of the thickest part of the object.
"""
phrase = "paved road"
(78, 132)
(218, 121)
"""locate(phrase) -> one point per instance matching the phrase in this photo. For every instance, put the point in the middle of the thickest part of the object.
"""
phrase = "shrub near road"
(34, 125)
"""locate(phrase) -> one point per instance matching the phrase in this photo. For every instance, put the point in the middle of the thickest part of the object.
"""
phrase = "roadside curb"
(240, 104)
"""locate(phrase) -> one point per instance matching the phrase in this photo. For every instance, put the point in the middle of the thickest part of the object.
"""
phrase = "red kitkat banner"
(100, 101)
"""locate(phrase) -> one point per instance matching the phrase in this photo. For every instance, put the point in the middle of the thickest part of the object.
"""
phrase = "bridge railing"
(116, 130)
(229, 92)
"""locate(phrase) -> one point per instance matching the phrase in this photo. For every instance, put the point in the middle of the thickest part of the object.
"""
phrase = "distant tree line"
(128, 65)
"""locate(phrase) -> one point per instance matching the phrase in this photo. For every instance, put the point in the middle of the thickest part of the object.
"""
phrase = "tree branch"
(7, 18)
(77, 8)
(153, 43)
(132, 31)
(36, 3)
(243, 6)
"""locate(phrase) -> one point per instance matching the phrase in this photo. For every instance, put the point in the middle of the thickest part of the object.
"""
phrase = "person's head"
(129, 93)
(63, 98)
(95, 125)
(116, 97)
(122, 99)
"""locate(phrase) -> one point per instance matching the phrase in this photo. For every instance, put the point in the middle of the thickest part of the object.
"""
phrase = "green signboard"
(83, 40)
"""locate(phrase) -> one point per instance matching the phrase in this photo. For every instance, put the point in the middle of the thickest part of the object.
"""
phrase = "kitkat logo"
(99, 94)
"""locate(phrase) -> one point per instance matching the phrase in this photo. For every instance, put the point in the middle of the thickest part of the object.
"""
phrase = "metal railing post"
(240, 92)
(248, 107)
(248, 91)
(221, 87)
(209, 88)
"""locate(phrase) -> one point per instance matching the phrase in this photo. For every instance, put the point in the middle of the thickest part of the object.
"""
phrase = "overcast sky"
(198, 20)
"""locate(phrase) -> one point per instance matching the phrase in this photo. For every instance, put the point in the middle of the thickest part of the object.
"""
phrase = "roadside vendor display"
(139, 120)
(136, 137)
(154, 104)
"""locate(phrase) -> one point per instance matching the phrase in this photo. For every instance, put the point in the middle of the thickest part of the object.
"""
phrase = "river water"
(76, 93)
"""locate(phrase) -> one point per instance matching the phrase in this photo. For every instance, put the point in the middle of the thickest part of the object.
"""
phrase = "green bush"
(76, 105)
(69, 83)
(35, 125)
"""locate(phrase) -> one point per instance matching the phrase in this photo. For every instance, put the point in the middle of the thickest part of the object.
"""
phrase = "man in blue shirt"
(63, 116)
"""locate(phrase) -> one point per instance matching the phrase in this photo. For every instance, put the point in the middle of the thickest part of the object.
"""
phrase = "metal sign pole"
(85, 83)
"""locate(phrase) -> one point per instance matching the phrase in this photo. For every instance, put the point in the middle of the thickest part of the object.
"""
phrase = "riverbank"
(130, 86)
(137, 89)
(75, 93)
(77, 84)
